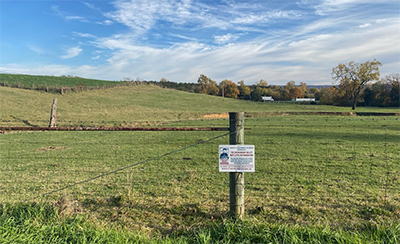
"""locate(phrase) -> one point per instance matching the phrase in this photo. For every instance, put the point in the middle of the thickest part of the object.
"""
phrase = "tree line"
(358, 84)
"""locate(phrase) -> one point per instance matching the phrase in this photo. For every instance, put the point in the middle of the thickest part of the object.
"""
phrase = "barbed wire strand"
(126, 167)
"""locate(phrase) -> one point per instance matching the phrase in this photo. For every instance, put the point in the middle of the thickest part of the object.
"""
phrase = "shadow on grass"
(363, 136)
(26, 122)
(163, 217)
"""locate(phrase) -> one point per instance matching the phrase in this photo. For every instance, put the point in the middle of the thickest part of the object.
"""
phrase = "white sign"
(236, 158)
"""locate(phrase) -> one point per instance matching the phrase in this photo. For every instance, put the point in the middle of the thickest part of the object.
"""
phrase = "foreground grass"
(318, 179)
(41, 223)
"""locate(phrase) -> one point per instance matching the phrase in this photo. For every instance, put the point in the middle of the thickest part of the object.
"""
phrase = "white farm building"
(305, 100)
(267, 99)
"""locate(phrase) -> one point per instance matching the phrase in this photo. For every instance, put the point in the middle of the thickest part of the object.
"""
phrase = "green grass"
(40, 81)
(34, 223)
(318, 179)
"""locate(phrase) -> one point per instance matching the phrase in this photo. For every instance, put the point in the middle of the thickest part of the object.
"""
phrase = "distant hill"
(318, 86)
(26, 81)
(57, 84)
(65, 84)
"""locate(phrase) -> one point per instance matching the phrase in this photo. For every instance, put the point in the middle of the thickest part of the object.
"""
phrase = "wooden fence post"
(53, 113)
(236, 179)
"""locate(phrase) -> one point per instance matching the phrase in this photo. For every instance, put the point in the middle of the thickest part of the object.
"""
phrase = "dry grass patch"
(216, 116)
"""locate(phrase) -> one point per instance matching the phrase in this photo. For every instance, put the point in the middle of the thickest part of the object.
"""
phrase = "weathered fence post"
(53, 113)
(236, 179)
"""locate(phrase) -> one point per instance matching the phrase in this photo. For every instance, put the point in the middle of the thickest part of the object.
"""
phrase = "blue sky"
(274, 40)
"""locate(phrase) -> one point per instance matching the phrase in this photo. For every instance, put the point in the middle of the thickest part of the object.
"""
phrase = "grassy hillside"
(133, 103)
(34, 81)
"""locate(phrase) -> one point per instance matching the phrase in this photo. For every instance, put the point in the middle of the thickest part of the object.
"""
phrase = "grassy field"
(318, 179)
(140, 103)
(322, 176)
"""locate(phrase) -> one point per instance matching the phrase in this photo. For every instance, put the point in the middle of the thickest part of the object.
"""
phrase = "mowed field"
(134, 104)
(319, 178)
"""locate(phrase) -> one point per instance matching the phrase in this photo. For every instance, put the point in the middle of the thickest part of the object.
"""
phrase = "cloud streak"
(67, 17)
(71, 53)
(142, 15)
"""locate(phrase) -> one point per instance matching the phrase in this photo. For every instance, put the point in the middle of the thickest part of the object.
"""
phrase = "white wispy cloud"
(250, 19)
(86, 35)
(325, 7)
(36, 49)
(138, 15)
(381, 20)
(71, 52)
(365, 25)
(90, 5)
(225, 38)
(105, 22)
(66, 16)
(142, 15)
(79, 18)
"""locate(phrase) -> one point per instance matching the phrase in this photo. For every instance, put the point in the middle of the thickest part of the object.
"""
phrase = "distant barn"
(267, 99)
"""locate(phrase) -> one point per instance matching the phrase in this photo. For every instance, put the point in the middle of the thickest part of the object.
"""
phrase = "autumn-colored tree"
(244, 91)
(292, 92)
(304, 89)
(286, 89)
(228, 88)
(262, 83)
(207, 85)
(330, 96)
(296, 92)
(353, 78)
(291, 84)
(277, 92)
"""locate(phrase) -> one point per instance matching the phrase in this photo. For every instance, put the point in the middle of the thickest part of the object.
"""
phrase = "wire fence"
(303, 164)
